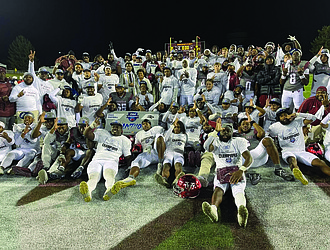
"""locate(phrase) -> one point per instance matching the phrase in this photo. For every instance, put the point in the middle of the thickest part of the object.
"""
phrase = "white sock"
(93, 179)
(109, 176)
(240, 200)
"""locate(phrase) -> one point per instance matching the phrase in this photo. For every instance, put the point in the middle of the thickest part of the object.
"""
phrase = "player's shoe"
(284, 174)
(42, 177)
(210, 211)
(242, 216)
(299, 176)
(254, 178)
(162, 180)
(107, 194)
(122, 184)
(58, 173)
(2, 171)
(203, 181)
(83, 189)
(159, 168)
(178, 177)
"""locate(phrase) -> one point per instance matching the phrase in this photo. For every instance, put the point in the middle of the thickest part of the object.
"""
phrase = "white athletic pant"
(296, 97)
(23, 155)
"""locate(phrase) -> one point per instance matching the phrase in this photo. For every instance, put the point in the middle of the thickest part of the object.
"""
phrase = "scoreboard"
(185, 47)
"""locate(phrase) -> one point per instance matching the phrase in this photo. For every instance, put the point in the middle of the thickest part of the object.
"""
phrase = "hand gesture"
(285, 71)
(32, 55)
(96, 77)
(42, 117)
(248, 116)
(109, 100)
(5, 98)
(267, 102)
(325, 100)
(292, 116)
(26, 129)
(292, 38)
(20, 94)
(300, 71)
(218, 126)
(320, 51)
(175, 123)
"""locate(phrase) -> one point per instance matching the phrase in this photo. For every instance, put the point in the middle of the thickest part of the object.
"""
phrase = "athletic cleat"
(178, 177)
(203, 181)
(122, 184)
(58, 173)
(284, 174)
(108, 194)
(2, 171)
(254, 178)
(299, 176)
(83, 189)
(162, 180)
(42, 177)
(242, 216)
(210, 211)
(159, 168)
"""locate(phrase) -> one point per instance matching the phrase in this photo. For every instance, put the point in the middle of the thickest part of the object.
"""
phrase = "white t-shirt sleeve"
(126, 146)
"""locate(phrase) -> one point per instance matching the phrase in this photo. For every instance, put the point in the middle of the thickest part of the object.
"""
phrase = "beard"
(285, 122)
(224, 138)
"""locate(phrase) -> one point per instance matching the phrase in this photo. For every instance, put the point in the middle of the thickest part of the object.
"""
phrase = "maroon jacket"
(233, 80)
(6, 108)
(311, 105)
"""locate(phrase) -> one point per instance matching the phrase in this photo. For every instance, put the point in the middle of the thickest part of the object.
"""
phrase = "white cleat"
(210, 211)
(242, 216)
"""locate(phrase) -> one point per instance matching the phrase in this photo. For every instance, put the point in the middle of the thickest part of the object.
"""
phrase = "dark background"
(59, 26)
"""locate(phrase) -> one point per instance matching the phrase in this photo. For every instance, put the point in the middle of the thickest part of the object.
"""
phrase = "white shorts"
(145, 159)
(301, 156)
(235, 188)
(259, 155)
(173, 157)
(98, 166)
(297, 97)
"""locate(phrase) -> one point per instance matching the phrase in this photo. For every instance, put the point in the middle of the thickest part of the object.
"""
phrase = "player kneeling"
(229, 153)
(110, 146)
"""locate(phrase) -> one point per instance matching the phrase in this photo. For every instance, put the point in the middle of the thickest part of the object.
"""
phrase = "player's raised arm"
(89, 131)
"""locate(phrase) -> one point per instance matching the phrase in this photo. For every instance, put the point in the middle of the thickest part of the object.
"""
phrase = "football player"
(110, 146)
(232, 159)
(153, 146)
(289, 132)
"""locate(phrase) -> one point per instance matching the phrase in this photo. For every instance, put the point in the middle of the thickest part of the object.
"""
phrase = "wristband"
(302, 77)
(283, 77)
(243, 168)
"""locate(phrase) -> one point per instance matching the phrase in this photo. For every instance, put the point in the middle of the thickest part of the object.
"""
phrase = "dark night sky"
(90, 25)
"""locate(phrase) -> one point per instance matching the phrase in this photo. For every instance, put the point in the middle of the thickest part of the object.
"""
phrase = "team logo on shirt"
(229, 160)
(292, 140)
(132, 116)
